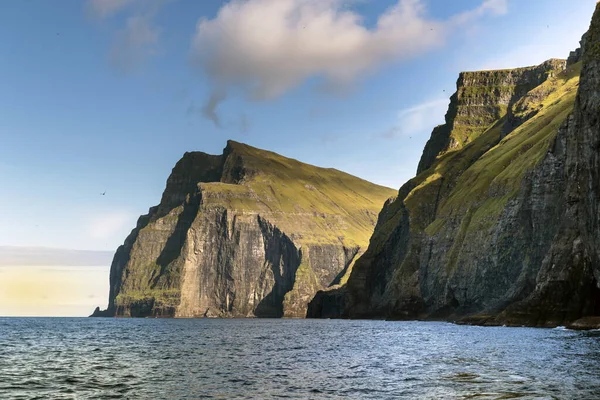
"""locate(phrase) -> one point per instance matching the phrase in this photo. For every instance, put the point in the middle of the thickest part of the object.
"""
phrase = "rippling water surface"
(55, 358)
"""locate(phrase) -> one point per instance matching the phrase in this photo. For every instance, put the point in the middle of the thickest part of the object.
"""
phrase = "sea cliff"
(248, 233)
(501, 223)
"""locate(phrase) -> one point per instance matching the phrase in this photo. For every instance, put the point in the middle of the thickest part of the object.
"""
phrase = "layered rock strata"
(248, 233)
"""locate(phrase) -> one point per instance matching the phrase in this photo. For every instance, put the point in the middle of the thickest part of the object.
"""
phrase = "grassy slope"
(312, 204)
(496, 176)
(482, 176)
(467, 128)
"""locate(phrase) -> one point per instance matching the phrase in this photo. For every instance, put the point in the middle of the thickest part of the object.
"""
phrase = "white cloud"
(498, 7)
(267, 47)
(419, 119)
(493, 7)
(105, 226)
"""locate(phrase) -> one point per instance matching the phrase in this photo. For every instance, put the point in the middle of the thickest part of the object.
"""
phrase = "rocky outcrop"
(502, 226)
(576, 55)
(481, 99)
(248, 233)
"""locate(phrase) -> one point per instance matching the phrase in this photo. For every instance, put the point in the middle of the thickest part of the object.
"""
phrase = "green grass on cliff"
(474, 99)
(487, 174)
(162, 298)
(310, 205)
(317, 205)
(470, 186)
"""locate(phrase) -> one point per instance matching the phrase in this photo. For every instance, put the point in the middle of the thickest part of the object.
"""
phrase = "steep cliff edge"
(500, 226)
(481, 99)
(246, 233)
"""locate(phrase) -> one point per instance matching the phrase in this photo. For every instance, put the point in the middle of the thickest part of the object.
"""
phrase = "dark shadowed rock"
(585, 323)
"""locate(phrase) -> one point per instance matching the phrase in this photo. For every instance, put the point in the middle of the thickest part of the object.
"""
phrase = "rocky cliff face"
(481, 99)
(247, 233)
(501, 223)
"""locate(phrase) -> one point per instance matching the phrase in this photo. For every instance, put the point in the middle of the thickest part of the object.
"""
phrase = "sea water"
(80, 358)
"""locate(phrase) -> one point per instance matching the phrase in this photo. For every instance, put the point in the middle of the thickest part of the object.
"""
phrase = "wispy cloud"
(209, 109)
(418, 119)
(134, 43)
(106, 8)
(140, 37)
(267, 47)
(491, 7)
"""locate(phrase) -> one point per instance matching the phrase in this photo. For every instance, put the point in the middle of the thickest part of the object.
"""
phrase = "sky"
(100, 98)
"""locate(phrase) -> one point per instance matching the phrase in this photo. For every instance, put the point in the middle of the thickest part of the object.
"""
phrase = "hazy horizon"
(44, 282)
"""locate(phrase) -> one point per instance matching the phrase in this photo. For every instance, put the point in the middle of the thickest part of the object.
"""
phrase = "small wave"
(464, 377)
(561, 328)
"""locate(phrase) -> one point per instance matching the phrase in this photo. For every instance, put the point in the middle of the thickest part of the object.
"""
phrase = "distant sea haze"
(37, 281)
(17, 255)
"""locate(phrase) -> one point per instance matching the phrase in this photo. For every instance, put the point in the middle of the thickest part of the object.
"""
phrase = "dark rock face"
(237, 266)
(226, 241)
(567, 285)
(586, 323)
(504, 227)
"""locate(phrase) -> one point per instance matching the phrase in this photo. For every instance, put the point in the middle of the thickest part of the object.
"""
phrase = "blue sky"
(106, 95)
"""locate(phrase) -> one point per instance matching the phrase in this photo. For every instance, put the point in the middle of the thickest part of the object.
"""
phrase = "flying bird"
(103, 193)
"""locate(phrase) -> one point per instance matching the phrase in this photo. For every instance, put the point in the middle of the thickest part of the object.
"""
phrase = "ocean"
(83, 358)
